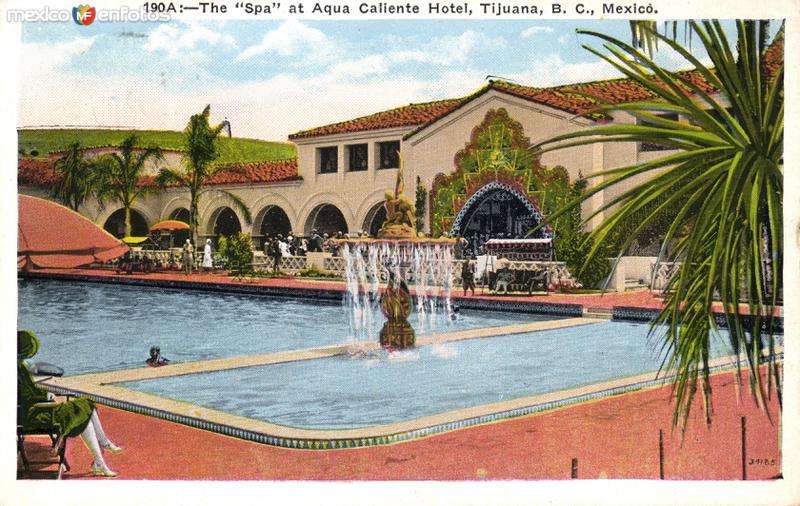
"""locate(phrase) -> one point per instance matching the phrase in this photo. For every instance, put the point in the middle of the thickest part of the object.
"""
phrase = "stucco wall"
(427, 153)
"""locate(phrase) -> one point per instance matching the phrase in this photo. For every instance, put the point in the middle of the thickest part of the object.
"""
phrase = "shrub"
(313, 272)
(573, 249)
(236, 252)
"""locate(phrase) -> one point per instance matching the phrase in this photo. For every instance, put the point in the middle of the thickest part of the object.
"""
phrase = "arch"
(326, 218)
(168, 210)
(223, 221)
(209, 211)
(270, 221)
(114, 224)
(374, 219)
(178, 237)
(367, 203)
(180, 214)
(267, 200)
(314, 202)
(497, 210)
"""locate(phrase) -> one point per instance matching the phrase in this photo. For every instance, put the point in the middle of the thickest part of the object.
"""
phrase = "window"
(357, 155)
(389, 155)
(650, 146)
(328, 160)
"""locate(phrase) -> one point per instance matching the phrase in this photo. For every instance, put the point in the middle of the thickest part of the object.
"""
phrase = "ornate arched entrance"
(497, 211)
(115, 224)
(326, 219)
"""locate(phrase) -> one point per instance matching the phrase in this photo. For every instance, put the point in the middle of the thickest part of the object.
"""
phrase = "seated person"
(156, 360)
(75, 417)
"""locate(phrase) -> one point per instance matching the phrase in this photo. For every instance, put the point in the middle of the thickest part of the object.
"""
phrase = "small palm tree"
(74, 177)
(200, 151)
(120, 176)
(725, 187)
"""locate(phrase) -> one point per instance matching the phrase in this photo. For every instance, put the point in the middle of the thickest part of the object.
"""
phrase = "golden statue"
(400, 212)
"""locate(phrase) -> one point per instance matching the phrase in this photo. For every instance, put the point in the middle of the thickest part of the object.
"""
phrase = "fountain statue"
(398, 255)
(400, 219)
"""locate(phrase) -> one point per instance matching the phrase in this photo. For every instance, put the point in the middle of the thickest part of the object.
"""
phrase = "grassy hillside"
(231, 150)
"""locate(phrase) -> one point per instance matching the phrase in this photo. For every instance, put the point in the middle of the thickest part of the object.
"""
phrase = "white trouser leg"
(98, 429)
(89, 438)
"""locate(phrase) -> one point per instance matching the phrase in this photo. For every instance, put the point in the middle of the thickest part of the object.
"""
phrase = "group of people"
(188, 259)
(277, 246)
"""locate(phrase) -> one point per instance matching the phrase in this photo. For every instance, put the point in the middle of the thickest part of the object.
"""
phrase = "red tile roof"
(38, 172)
(579, 99)
(407, 115)
(257, 172)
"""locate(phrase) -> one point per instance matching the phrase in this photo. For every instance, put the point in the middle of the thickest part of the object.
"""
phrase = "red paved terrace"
(615, 437)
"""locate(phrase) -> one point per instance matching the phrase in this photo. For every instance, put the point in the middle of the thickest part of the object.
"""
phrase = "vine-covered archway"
(498, 163)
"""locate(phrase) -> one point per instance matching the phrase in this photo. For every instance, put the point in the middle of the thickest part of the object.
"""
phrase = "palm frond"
(725, 184)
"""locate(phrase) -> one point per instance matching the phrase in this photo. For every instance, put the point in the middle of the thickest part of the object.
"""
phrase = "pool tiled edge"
(307, 439)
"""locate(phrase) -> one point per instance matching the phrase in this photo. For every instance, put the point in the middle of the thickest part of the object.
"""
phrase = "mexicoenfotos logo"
(83, 14)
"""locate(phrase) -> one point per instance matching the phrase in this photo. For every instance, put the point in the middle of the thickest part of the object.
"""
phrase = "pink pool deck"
(602, 301)
(615, 437)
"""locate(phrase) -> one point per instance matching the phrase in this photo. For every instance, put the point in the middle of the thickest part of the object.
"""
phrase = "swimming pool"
(344, 392)
(91, 327)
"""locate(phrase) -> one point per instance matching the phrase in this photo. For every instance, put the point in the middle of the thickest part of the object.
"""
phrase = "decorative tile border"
(639, 314)
(512, 306)
(319, 294)
(335, 443)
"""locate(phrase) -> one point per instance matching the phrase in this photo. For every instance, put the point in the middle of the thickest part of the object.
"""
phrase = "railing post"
(744, 448)
(661, 454)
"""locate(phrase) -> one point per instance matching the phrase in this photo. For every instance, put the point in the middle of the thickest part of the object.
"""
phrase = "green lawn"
(231, 150)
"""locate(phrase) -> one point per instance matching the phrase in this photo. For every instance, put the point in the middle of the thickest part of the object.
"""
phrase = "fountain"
(398, 256)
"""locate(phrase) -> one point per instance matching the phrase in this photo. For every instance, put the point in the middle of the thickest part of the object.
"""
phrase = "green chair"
(48, 427)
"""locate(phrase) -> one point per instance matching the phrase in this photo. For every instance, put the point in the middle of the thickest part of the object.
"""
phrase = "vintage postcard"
(401, 252)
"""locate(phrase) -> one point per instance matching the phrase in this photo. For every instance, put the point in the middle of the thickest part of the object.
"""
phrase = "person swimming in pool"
(156, 360)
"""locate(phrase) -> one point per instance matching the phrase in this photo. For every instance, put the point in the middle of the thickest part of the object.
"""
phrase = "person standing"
(188, 257)
(208, 259)
(315, 243)
(276, 253)
(468, 276)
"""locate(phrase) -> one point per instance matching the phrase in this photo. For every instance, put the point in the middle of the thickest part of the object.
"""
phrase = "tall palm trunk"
(128, 227)
(193, 215)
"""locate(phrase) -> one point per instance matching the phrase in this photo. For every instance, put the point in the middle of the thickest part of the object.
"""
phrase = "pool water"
(351, 392)
(90, 327)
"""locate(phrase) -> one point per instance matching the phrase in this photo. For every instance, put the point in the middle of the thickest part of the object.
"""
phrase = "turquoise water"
(349, 392)
(90, 327)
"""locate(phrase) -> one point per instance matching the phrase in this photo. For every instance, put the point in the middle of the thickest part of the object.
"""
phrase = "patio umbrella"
(50, 235)
(169, 226)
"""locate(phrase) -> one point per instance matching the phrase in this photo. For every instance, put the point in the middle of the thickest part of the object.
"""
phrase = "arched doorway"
(327, 219)
(375, 219)
(225, 222)
(115, 224)
(496, 211)
(273, 220)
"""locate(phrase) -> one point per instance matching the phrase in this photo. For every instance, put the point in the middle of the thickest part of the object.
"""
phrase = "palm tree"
(73, 177)
(725, 184)
(200, 151)
(120, 176)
